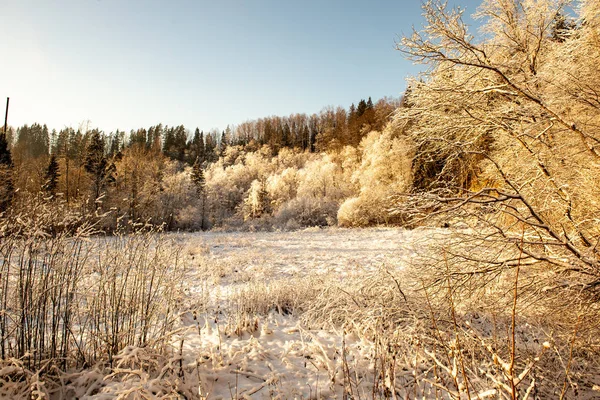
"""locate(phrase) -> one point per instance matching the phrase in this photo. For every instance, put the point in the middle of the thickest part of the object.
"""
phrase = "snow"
(307, 252)
(261, 315)
(274, 355)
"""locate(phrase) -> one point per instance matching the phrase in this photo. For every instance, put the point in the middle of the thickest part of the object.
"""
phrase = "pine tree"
(352, 112)
(305, 137)
(200, 183)
(562, 27)
(155, 134)
(96, 164)
(138, 138)
(362, 107)
(51, 176)
(313, 141)
(198, 176)
(7, 189)
(286, 136)
(210, 145)
(32, 141)
(5, 155)
(223, 144)
(200, 147)
(196, 147)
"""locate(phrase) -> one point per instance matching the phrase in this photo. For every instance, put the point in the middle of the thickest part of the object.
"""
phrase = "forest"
(475, 272)
(274, 172)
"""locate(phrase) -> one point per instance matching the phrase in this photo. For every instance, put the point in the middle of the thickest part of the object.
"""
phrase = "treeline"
(150, 174)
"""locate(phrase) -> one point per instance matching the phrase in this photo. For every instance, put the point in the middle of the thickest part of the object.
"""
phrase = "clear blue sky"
(132, 63)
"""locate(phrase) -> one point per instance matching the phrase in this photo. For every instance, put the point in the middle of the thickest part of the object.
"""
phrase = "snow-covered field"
(313, 314)
(314, 250)
(239, 355)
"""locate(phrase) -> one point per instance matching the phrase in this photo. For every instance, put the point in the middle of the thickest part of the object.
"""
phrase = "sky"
(126, 64)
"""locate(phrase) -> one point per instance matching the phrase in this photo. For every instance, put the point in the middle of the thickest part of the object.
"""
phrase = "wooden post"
(6, 115)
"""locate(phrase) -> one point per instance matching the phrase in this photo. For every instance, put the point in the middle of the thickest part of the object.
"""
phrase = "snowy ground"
(306, 252)
(274, 355)
(319, 314)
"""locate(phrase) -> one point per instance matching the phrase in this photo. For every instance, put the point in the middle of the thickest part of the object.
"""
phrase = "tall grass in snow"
(70, 302)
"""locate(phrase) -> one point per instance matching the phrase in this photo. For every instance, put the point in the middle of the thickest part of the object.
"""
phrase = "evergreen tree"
(196, 147)
(362, 107)
(96, 164)
(305, 137)
(115, 144)
(352, 112)
(210, 145)
(6, 179)
(200, 183)
(32, 141)
(155, 134)
(175, 142)
(223, 144)
(561, 28)
(313, 141)
(138, 138)
(51, 176)
(53, 140)
(168, 141)
(286, 136)
(5, 155)
(198, 176)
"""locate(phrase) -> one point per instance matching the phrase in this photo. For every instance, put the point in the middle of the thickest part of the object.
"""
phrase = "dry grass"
(76, 302)
(81, 315)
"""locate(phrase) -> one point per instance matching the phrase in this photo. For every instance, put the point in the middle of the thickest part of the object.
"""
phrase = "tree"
(223, 143)
(6, 174)
(210, 146)
(51, 176)
(96, 165)
(384, 171)
(32, 141)
(561, 28)
(199, 181)
(256, 203)
(362, 107)
(197, 147)
(155, 134)
(198, 176)
(175, 142)
(139, 138)
(510, 120)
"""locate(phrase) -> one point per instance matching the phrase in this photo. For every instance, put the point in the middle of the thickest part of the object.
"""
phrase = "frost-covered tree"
(384, 171)
(137, 184)
(506, 131)
(256, 203)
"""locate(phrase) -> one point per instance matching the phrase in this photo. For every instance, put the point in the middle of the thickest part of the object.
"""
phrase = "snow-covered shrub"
(256, 203)
(307, 211)
(324, 178)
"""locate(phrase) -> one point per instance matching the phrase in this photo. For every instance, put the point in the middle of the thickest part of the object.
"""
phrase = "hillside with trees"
(167, 176)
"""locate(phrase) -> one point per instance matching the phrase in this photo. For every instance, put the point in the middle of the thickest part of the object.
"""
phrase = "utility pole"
(6, 115)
